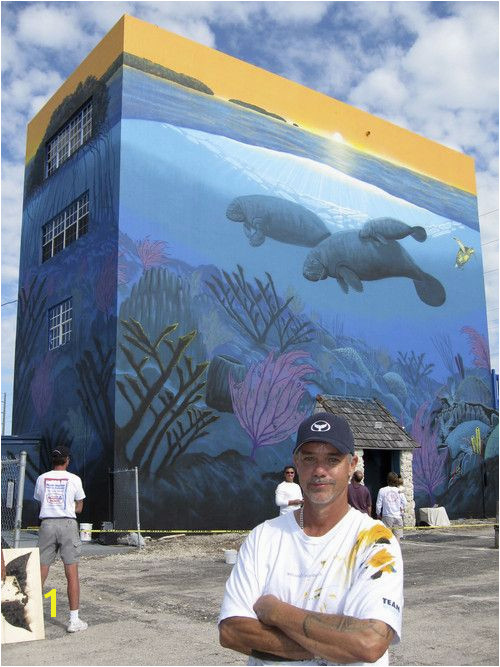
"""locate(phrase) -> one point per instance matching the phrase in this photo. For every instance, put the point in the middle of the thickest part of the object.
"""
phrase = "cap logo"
(320, 426)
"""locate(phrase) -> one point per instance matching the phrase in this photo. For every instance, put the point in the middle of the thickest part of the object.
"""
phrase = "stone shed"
(382, 445)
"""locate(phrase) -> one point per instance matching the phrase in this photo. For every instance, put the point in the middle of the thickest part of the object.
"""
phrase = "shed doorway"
(377, 463)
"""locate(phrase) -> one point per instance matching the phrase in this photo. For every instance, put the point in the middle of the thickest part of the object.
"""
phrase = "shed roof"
(372, 425)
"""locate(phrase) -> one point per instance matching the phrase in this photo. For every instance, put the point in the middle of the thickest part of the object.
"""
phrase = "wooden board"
(22, 608)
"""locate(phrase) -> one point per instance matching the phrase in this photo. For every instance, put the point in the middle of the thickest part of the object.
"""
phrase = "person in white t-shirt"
(391, 505)
(60, 494)
(288, 493)
(322, 585)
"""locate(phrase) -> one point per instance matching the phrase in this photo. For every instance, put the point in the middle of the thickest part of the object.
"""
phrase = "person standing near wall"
(288, 495)
(358, 496)
(322, 585)
(391, 505)
(60, 494)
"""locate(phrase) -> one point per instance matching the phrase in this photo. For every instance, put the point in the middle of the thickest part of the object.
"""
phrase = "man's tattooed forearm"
(382, 629)
(340, 623)
(345, 624)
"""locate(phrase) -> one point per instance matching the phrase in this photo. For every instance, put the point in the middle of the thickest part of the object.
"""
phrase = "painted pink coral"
(266, 402)
(429, 471)
(152, 253)
(478, 346)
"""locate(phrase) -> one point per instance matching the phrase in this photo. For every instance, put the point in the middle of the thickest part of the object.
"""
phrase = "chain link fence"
(13, 475)
(124, 500)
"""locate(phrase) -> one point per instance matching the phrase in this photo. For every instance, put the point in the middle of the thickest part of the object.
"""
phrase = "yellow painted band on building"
(230, 78)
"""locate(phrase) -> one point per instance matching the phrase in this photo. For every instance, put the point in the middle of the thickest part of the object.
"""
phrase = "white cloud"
(448, 63)
(102, 16)
(49, 26)
(20, 92)
(384, 86)
(12, 55)
(296, 12)
(12, 192)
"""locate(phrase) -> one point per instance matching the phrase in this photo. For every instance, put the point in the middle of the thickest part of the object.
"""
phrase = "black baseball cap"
(328, 428)
(60, 452)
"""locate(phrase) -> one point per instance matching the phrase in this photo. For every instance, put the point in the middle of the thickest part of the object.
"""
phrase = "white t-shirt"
(355, 569)
(57, 491)
(390, 502)
(287, 491)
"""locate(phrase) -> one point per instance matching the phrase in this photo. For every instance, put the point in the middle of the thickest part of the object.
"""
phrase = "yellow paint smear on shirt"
(377, 533)
(383, 561)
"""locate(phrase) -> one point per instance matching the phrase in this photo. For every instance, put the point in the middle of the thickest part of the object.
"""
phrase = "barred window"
(66, 227)
(60, 324)
(69, 139)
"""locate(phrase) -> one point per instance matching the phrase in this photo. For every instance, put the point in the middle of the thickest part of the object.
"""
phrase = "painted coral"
(266, 402)
(429, 464)
(478, 347)
(152, 253)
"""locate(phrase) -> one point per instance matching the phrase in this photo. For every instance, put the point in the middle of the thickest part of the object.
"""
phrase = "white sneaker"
(77, 626)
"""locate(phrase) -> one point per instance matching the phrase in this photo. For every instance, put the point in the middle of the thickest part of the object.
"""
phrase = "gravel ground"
(190, 546)
(159, 605)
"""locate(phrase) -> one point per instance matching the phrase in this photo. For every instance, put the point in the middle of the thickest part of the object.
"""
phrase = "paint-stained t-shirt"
(390, 502)
(356, 569)
(57, 491)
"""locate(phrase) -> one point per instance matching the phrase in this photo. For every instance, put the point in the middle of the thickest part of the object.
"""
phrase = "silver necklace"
(301, 518)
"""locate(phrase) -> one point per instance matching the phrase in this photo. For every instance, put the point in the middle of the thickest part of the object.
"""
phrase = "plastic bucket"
(230, 556)
(85, 532)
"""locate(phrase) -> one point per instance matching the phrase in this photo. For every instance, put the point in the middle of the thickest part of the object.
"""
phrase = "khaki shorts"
(59, 535)
(395, 524)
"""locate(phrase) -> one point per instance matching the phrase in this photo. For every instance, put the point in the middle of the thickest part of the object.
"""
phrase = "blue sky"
(431, 67)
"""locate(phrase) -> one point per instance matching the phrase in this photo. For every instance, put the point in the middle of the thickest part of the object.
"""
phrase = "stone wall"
(405, 464)
(406, 467)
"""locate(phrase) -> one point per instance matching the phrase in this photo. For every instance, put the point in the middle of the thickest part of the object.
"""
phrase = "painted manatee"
(382, 230)
(277, 218)
(351, 259)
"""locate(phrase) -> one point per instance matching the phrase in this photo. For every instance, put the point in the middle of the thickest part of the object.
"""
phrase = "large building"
(206, 247)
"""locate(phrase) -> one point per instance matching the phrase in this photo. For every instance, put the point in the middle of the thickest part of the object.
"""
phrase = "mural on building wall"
(296, 266)
(248, 266)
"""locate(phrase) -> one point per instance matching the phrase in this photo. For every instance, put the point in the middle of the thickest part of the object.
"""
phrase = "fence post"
(136, 473)
(495, 528)
(19, 501)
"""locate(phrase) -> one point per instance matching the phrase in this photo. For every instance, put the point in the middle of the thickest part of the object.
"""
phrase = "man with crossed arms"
(322, 585)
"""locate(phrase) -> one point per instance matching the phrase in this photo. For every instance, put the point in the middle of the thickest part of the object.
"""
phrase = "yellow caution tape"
(205, 532)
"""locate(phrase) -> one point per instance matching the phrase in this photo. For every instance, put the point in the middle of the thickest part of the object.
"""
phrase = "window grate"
(60, 324)
(65, 228)
(69, 139)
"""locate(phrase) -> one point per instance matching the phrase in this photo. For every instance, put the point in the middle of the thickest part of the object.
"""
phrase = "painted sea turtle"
(463, 255)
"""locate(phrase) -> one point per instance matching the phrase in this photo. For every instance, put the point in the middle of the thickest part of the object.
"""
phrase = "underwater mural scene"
(285, 276)
(235, 266)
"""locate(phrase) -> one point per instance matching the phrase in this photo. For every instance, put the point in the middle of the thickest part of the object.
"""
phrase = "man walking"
(321, 585)
(60, 494)
(358, 496)
(391, 505)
